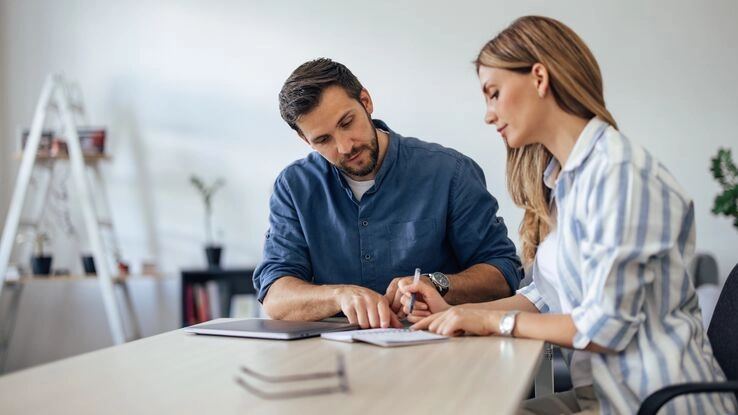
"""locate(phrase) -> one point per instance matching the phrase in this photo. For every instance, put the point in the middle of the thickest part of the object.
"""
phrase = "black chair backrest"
(723, 330)
(705, 270)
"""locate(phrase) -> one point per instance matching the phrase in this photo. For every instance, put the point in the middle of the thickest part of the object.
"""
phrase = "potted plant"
(88, 264)
(725, 172)
(213, 250)
(40, 262)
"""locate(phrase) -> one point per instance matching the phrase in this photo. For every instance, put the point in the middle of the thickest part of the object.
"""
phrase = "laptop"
(270, 329)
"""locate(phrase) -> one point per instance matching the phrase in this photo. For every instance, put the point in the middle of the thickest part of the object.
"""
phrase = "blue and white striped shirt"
(625, 236)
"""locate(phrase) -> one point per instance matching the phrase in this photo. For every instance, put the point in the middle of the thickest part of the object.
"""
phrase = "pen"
(416, 277)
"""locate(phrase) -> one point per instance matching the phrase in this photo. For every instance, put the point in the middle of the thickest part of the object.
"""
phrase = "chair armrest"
(657, 399)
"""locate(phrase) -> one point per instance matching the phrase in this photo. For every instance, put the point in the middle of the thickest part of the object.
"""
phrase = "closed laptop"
(269, 329)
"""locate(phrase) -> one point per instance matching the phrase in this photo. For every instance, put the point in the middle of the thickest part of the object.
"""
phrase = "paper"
(385, 337)
(348, 336)
(244, 306)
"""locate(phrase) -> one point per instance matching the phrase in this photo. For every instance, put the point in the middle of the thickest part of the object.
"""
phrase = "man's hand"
(427, 299)
(366, 308)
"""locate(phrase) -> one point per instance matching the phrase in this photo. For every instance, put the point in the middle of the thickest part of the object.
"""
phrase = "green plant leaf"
(725, 172)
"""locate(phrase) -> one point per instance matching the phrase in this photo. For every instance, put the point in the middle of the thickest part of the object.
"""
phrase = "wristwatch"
(507, 323)
(440, 280)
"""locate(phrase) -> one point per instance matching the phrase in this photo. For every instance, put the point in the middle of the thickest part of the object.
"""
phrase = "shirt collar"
(389, 157)
(582, 148)
(551, 173)
(585, 143)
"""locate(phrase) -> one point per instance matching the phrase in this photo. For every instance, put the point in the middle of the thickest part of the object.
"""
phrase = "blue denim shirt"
(429, 208)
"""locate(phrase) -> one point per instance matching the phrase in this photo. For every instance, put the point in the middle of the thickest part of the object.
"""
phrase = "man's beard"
(373, 148)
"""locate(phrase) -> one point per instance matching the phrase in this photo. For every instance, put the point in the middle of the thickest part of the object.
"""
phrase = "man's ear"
(366, 100)
(540, 79)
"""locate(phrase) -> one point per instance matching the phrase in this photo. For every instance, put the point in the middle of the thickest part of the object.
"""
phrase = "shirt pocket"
(412, 244)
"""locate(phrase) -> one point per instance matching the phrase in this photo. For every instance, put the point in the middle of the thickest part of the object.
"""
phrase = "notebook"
(386, 337)
(269, 329)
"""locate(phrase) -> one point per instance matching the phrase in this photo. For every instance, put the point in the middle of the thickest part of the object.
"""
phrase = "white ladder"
(55, 95)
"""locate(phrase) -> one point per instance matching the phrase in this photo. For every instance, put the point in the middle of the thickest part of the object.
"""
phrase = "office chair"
(704, 270)
(721, 333)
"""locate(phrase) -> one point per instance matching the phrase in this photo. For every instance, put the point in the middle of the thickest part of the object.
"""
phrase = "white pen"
(416, 278)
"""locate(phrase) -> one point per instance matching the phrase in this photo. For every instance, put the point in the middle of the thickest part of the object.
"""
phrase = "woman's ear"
(540, 79)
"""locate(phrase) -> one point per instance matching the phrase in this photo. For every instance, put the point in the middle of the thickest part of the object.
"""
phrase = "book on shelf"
(197, 304)
(202, 303)
(215, 298)
(213, 290)
(189, 305)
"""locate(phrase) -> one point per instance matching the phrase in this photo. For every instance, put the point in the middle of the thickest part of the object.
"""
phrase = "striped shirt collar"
(581, 150)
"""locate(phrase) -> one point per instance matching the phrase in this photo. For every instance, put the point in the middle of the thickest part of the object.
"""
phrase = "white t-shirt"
(549, 285)
(359, 188)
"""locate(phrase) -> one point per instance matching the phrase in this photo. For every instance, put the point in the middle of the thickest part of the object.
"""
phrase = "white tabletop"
(181, 373)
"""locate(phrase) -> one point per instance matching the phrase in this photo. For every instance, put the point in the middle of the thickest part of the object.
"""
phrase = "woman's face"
(514, 105)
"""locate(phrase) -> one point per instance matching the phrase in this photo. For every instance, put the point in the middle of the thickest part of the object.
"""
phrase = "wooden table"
(182, 373)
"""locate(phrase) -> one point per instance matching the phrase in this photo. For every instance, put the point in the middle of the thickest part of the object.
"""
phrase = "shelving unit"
(56, 96)
(230, 281)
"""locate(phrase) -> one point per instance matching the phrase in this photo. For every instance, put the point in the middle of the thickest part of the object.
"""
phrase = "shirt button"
(367, 257)
(364, 223)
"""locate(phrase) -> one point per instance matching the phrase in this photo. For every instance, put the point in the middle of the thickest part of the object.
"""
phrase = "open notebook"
(385, 337)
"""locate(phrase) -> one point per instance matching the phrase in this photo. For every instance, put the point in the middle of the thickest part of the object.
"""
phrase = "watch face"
(440, 279)
(507, 324)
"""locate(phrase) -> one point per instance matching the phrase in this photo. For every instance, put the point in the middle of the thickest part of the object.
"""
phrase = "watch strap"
(442, 290)
(507, 323)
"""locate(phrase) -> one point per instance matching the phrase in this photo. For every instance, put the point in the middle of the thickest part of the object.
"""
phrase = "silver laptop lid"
(269, 329)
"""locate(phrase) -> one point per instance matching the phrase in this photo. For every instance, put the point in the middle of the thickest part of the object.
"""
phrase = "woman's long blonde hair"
(576, 84)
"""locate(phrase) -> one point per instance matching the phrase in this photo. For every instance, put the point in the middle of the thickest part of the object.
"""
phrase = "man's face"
(341, 130)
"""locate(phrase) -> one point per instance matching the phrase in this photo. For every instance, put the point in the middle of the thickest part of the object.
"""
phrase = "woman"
(610, 282)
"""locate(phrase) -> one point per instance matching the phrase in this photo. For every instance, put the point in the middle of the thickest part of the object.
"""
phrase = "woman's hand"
(427, 299)
(461, 320)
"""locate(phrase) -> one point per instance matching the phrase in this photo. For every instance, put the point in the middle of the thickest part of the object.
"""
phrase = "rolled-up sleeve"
(477, 234)
(285, 248)
(628, 230)
(531, 292)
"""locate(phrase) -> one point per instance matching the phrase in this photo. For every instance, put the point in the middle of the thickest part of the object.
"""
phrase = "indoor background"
(190, 87)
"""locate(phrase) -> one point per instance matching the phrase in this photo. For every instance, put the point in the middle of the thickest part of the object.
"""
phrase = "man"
(367, 207)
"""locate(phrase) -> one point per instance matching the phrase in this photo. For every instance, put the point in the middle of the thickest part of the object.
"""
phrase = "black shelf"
(232, 281)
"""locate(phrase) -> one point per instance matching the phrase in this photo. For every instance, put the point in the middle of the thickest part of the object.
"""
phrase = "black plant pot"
(213, 253)
(41, 265)
(88, 263)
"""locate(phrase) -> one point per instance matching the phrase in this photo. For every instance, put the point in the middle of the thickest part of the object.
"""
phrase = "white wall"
(57, 319)
(185, 87)
(190, 87)
(6, 169)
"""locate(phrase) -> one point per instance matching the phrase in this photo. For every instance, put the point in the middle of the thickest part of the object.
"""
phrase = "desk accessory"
(339, 374)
